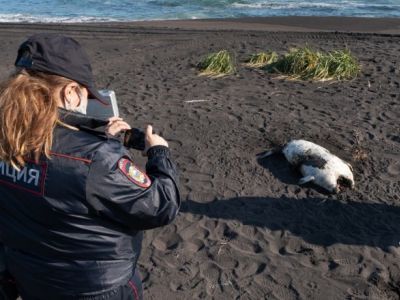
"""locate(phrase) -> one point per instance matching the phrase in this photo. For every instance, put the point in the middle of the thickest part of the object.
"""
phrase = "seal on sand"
(316, 164)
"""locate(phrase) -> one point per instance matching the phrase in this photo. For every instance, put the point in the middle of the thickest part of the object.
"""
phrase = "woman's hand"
(152, 139)
(116, 125)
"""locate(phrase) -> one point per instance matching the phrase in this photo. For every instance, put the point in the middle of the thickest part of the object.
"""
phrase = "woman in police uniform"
(73, 204)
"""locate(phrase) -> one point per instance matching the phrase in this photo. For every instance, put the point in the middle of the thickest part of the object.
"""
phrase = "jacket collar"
(79, 120)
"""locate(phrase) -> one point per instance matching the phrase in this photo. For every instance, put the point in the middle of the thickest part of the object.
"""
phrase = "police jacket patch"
(133, 173)
(29, 179)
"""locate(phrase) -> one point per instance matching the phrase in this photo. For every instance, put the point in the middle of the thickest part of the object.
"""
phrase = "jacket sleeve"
(118, 190)
(2, 260)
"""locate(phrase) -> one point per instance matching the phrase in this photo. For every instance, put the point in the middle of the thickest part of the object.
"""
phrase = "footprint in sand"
(194, 231)
(248, 269)
(394, 169)
(245, 245)
(205, 179)
(282, 292)
(395, 138)
(211, 272)
(224, 258)
(194, 245)
(175, 144)
(163, 243)
(357, 292)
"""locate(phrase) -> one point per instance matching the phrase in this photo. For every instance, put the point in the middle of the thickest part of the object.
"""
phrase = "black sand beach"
(246, 229)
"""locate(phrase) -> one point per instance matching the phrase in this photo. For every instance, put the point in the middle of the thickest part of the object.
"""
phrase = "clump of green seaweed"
(308, 64)
(261, 59)
(217, 64)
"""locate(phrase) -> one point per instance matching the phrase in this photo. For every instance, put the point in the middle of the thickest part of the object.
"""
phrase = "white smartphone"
(106, 110)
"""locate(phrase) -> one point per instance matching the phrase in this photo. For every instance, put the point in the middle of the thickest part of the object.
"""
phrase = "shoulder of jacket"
(100, 145)
(110, 150)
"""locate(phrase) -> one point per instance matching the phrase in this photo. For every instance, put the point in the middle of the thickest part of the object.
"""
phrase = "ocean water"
(138, 10)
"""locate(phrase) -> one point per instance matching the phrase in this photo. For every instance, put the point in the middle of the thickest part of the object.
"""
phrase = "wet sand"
(247, 230)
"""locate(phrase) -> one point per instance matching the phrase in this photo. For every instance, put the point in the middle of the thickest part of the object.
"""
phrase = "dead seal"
(316, 164)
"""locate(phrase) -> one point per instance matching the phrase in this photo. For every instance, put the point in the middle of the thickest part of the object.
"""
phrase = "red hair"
(28, 115)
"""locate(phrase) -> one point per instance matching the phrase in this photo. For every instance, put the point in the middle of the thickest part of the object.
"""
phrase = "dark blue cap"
(59, 55)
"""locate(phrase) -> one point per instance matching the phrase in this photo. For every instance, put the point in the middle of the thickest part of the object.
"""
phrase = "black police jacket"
(72, 224)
